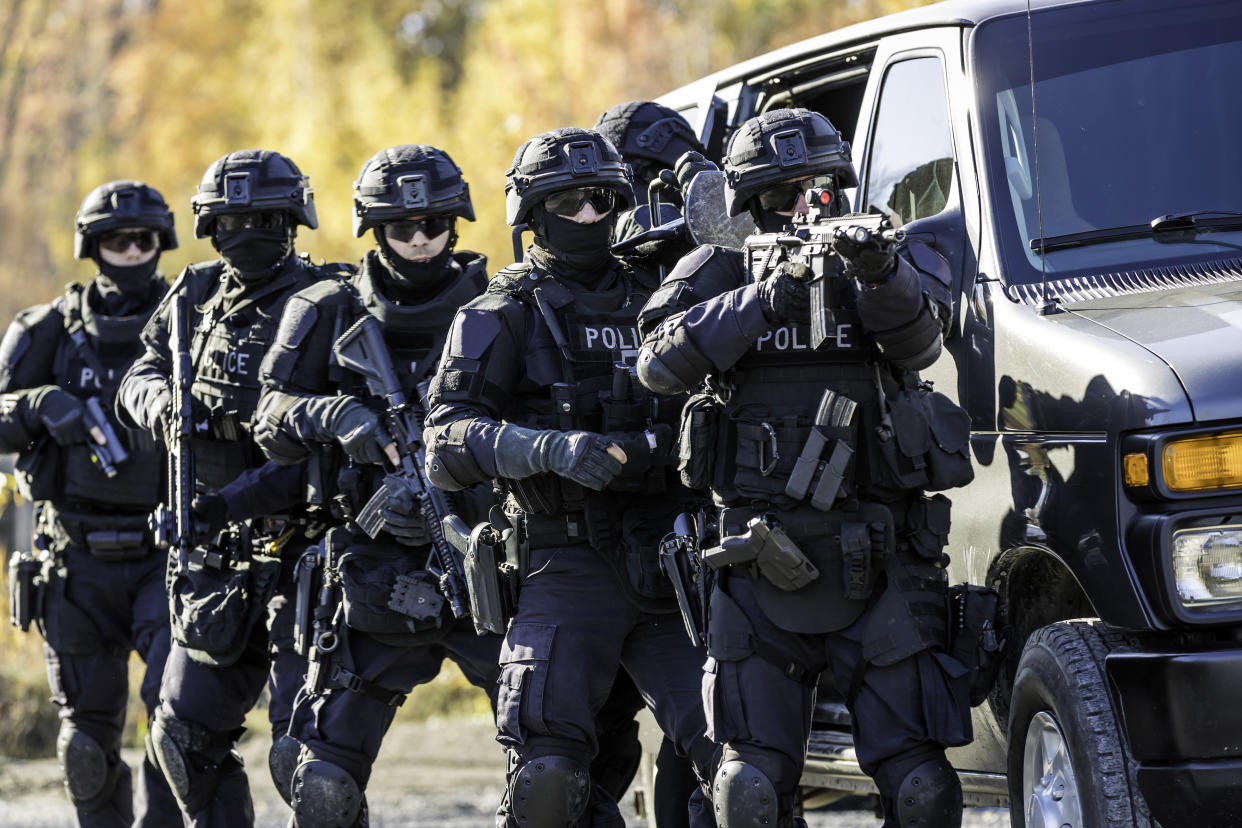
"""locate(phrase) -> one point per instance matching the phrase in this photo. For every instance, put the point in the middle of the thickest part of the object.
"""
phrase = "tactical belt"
(563, 529)
(109, 538)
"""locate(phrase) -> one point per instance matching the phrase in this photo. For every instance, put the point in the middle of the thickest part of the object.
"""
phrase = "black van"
(1093, 219)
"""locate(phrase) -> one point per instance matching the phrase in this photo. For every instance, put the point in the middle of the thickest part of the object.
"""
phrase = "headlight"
(1200, 464)
(1207, 565)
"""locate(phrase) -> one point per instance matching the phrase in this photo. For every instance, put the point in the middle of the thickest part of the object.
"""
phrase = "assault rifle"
(813, 240)
(362, 349)
(173, 521)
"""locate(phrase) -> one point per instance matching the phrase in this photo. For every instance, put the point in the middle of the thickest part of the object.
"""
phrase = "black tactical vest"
(579, 374)
(773, 393)
(229, 341)
(90, 360)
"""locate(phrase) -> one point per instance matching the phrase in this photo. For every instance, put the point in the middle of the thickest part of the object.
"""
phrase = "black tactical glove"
(361, 432)
(588, 459)
(785, 296)
(688, 166)
(61, 414)
(643, 449)
(164, 423)
(211, 514)
(404, 521)
(867, 259)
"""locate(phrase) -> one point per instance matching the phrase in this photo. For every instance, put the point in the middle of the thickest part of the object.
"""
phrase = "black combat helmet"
(121, 204)
(783, 145)
(250, 181)
(648, 130)
(563, 159)
(407, 182)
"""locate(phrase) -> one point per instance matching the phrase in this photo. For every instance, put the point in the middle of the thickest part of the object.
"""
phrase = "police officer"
(651, 138)
(93, 485)
(861, 592)
(412, 284)
(534, 392)
(249, 204)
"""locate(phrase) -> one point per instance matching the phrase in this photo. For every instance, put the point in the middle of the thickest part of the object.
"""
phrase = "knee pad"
(324, 795)
(922, 790)
(549, 791)
(90, 772)
(180, 748)
(282, 762)
(744, 796)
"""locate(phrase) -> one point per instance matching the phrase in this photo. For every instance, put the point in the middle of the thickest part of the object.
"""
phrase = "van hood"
(1197, 331)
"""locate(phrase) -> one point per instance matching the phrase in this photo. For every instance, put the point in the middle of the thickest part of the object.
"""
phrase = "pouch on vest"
(927, 527)
(977, 636)
(930, 443)
(213, 610)
(38, 471)
(387, 595)
(765, 455)
(696, 441)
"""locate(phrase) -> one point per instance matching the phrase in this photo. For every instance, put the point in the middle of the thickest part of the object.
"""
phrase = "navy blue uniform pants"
(127, 609)
(218, 698)
(347, 728)
(573, 628)
(755, 709)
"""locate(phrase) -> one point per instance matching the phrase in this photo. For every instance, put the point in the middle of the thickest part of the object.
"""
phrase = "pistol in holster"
(679, 558)
(767, 546)
(491, 551)
(25, 588)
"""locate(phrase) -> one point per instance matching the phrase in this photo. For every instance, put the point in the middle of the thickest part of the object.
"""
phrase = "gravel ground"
(437, 774)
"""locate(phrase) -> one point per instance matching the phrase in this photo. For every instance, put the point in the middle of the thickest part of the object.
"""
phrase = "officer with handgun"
(386, 602)
(95, 582)
(535, 392)
(197, 386)
(813, 437)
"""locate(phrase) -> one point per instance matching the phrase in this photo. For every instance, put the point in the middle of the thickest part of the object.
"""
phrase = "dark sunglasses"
(783, 198)
(144, 240)
(405, 230)
(568, 203)
(265, 220)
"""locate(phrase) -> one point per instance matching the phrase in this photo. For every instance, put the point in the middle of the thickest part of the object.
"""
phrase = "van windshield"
(1138, 118)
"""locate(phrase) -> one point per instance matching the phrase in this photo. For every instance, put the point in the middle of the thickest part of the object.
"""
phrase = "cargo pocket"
(948, 457)
(66, 628)
(523, 681)
(946, 698)
(903, 456)
(722, 702)
(927, 527)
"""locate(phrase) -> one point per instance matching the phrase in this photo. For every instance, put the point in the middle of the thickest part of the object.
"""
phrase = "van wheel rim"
(1048, 783)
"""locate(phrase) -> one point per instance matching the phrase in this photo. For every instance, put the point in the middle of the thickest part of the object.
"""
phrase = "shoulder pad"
(929, 262)
(198, 281)
(328, 292)
(474, 330)
(296, 321)
(42, 321)
(341, 270)
(512, 280)
(469, 259)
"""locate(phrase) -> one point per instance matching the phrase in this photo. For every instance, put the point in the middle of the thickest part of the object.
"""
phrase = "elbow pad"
(669, 363)
(913, 346)
(450, 465)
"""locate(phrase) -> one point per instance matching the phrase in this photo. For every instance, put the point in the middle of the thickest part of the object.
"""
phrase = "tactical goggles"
(783, 198)
(405, 230)
(568, 203)
(263, 220)
(119, 242)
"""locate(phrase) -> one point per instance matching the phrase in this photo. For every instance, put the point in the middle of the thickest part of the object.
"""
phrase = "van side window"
(910, 174)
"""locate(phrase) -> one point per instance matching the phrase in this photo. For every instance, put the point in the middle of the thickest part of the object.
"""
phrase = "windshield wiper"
(1191, 221)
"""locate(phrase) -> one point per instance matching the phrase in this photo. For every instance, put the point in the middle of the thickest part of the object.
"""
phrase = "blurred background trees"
(92, 90)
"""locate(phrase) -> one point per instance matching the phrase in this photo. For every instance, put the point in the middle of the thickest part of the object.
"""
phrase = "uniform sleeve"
(474, 384)
(144, 390)
(904, 313)
(702, 320)
(27, 354)
(266, 490)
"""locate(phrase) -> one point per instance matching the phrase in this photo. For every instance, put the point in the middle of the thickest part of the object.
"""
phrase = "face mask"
(252, 252)
(573, 246)
(416, 276)
(131, 281)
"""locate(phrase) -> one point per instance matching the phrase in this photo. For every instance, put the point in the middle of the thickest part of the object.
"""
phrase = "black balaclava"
(579, 252)
(254, 255)
(410, 282)
(125, 291)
